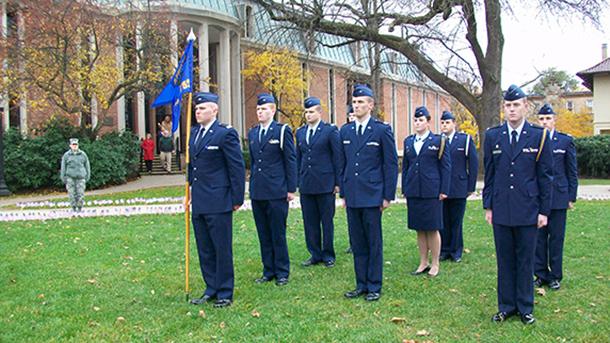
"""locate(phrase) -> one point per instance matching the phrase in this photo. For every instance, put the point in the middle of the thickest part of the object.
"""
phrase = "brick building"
(227, 29)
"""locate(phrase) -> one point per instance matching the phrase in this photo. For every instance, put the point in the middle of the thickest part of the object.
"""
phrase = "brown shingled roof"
(587, 74)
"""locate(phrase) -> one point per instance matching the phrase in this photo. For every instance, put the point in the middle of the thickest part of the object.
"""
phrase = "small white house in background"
(597, 79)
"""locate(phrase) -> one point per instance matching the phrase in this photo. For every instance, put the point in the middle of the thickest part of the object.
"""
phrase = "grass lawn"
(121, 279)
(594, 181)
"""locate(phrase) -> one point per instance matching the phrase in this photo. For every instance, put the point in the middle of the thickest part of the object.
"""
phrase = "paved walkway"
(588, 192)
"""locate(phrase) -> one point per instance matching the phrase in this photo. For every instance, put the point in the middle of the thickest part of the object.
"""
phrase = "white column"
(238, 120)
(4, 102)
(120, 103)
(141, 110)
(224, 71)
(204, 57)
(23, 109)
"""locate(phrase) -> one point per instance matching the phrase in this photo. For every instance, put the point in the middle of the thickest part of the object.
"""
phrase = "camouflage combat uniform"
(75, 172)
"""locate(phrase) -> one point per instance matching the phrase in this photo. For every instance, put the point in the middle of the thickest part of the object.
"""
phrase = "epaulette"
(536, 126)
(495, 127)
(332, 124)
(225, 125)
(563, 134)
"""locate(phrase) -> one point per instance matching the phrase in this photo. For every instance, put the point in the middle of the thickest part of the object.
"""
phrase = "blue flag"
(179, 84)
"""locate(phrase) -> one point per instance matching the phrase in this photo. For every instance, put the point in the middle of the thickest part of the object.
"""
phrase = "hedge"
(593, 154)
(34, 162)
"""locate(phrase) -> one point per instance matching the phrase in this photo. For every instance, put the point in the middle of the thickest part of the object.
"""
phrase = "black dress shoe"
(354, 294)
(329, 263)
(444, 257)
(348, 250)
(373, 296)
(502, 316)
(416, 272)
(283, 281)
(555, 285)
(222, 303)
(539, 282)
(309, 262)
(528, 319)
(263, 279)
(204, 299)
(457, 260)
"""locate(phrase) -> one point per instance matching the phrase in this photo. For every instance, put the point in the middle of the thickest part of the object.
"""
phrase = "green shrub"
(593, 154)
(34, 162)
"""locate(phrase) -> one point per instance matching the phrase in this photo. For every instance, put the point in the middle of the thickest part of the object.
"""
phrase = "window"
(331, 96)
(409, 109)
(570, 105)
(249, 23)
(356, 48)
(589, 103)
(394, 106)
(423, 102)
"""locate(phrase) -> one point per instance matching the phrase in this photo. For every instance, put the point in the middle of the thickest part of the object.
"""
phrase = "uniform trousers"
(452, 233)
(367, 246)
(549, 247)
(318, 213)
(270, 219)
(515, 249)
(214, 235)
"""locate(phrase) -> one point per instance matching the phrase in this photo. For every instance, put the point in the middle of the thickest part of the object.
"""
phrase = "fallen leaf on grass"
(202, 314)
(453, 290)
(467, 251)
(541, 291)
(222, 325)
(599, 277)
(397, 320)
(422, 333)
(40, 296)
(557, 310)
(408, 341)
(91, 281)
(120, 319)
(255, 314)
(95, 308)
(592, 304)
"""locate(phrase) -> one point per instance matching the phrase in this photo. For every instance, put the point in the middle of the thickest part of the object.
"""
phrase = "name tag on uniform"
(372, 143)
(212, 147)
(530, 150)
(495, 152)
(460, 149)
(433, 147)
(274, 141)
(559, 151)
(346, 142)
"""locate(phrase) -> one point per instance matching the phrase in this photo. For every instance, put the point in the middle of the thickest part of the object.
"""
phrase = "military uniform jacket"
(517, 187)
(425, 175)
(370, 168)
(319, 162)
(216, 170)
(464, 169)
(273, 172)
(565, 170)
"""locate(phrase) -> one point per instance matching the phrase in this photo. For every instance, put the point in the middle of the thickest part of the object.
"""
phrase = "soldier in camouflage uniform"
(75, 172)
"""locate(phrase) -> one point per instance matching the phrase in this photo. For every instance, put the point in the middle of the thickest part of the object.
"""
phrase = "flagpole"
(187, 197)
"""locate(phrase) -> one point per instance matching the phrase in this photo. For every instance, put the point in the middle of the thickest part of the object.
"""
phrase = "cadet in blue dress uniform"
(464, 165)
(273, 181)
(517, 201)
(217, 178)
(426, 173)
(319, 159)
(549, 247)
(368, 184)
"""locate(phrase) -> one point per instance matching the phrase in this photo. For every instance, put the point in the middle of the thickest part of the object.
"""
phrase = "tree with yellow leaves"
(65, 56)
(465, 121)
(280, 72)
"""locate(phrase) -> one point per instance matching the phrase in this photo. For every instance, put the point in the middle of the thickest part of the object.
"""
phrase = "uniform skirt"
(425, 214)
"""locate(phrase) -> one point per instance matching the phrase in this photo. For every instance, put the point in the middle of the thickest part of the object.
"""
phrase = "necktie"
(360, 130)
(513, 141)
(199, 135)
(309, 135)
(260, 139)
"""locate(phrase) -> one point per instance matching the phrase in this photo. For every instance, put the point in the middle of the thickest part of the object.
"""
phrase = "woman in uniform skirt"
(426, 172)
